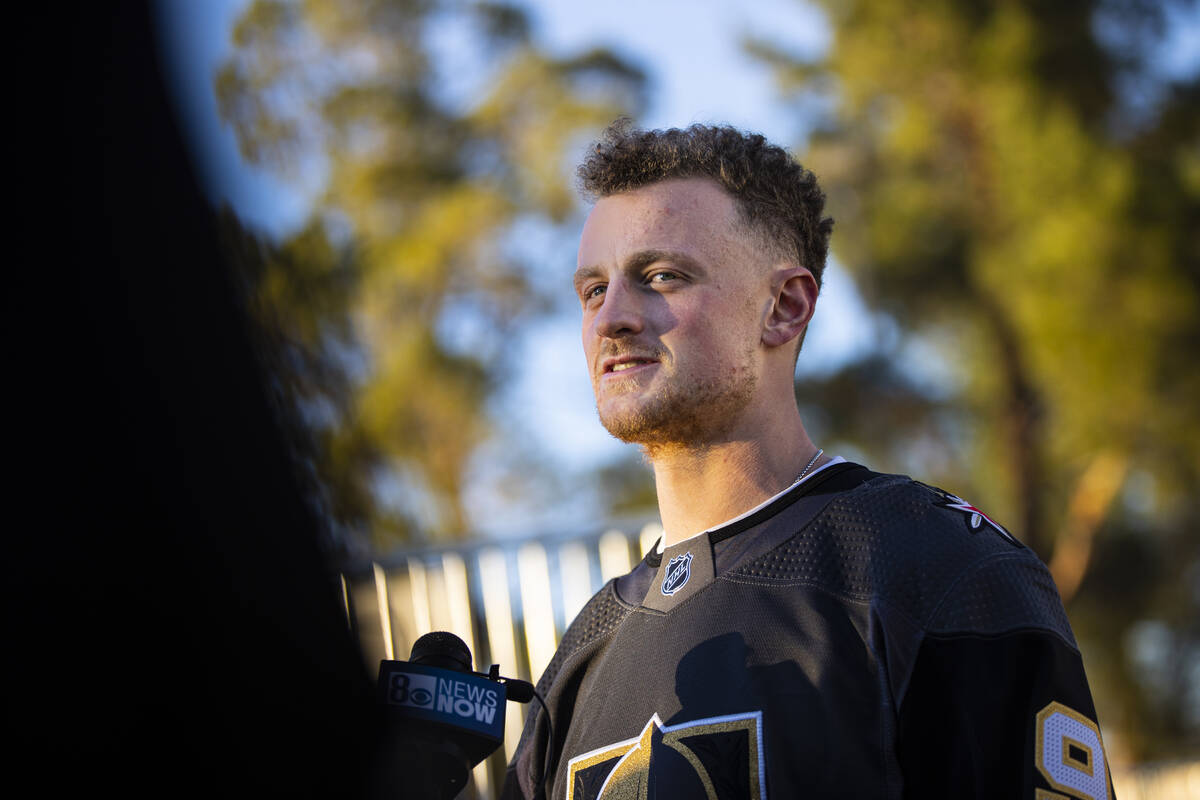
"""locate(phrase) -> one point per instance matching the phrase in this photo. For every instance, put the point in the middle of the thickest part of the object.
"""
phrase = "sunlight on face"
(672, 297)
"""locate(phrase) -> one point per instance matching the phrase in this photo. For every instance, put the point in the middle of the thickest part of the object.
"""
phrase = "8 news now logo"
(443, 696)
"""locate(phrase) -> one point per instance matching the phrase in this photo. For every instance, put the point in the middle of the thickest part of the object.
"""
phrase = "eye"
(594, 291)
(662, 276)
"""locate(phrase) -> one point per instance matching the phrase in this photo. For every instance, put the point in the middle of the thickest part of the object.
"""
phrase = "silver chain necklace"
(808, 466)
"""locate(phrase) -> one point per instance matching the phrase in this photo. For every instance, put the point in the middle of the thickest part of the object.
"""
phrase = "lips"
(627, 363)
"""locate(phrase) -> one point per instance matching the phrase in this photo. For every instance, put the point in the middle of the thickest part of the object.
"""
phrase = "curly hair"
(775, 196)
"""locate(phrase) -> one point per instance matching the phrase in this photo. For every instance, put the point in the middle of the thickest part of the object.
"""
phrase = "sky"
(698, 73)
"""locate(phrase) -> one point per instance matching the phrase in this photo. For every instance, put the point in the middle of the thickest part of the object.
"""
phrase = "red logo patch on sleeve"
(975, 518)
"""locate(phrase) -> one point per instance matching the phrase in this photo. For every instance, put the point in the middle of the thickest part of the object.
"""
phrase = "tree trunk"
(1093, 496)
(1023, 424)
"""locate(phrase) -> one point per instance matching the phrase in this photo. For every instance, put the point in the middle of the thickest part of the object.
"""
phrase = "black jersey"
(861, 636)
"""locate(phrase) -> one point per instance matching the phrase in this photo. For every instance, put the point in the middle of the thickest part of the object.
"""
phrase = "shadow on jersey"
(707, 749)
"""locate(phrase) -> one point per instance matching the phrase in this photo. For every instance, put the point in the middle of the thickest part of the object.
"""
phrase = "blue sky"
(698, 73)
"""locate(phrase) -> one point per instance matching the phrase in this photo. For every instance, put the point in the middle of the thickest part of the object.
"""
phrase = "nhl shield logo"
(679, 569)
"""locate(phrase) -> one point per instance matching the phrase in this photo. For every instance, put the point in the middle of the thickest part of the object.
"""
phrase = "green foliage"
(999, 201)
(406, 238)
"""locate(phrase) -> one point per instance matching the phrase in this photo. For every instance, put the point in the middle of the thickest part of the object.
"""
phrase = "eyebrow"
(640, 260)
(584, 273)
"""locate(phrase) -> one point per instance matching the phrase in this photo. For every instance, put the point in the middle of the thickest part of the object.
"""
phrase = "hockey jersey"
(861, 636)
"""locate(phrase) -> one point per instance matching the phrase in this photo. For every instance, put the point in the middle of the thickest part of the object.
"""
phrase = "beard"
(684, 414)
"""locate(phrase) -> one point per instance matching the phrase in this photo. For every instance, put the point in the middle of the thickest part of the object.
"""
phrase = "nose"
(621, 313)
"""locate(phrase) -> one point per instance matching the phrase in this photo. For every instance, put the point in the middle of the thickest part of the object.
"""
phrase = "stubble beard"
(687, 416)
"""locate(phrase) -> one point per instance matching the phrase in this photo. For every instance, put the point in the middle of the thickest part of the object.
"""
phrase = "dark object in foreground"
(181, 630)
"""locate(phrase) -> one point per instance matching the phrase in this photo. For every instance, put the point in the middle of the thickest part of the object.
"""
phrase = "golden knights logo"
(719, 758)
(679, 569)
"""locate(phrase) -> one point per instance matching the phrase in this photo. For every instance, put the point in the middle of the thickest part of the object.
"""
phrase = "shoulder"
(923, 552)
(595, 622)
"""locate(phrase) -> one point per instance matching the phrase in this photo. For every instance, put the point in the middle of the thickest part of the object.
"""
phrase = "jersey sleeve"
(997, 703)
(537, 755)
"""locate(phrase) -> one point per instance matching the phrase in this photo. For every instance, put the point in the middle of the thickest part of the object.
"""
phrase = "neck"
(701, 486)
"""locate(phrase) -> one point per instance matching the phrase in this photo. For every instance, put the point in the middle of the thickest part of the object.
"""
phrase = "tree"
(388, 313)
(1002, 196)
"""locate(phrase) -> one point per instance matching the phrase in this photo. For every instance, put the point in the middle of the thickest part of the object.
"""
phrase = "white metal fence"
(509, 601)
(1178, 780)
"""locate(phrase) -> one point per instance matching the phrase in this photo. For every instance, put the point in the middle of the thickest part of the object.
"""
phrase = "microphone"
(442, 718)
(518, 691)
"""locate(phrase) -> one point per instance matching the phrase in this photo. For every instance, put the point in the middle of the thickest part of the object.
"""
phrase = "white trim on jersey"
(763, 504)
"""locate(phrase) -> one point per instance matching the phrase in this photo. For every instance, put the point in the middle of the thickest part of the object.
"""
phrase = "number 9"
(1069, 753)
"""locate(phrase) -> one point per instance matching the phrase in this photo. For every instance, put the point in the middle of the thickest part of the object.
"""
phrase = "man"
(807, 628)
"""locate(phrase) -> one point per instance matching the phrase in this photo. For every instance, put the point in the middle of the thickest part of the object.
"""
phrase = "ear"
(794, 298)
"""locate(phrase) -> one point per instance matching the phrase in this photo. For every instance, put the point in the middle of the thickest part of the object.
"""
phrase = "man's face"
(674, 294)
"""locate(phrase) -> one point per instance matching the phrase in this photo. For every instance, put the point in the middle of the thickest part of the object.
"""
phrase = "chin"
(658, 426)
(701, 413)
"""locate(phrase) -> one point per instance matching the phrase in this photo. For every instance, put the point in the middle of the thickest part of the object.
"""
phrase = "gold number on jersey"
(1069, 753)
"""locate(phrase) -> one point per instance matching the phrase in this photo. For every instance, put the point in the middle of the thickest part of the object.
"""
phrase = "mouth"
(626, 364)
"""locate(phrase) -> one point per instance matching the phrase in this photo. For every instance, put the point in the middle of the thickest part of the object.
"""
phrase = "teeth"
(627, 365)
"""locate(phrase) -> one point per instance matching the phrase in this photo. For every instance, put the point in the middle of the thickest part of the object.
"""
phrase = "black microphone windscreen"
(518, 690)
(442, 649)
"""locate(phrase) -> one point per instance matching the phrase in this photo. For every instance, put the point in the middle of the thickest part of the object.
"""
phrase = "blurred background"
(1012, 311)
